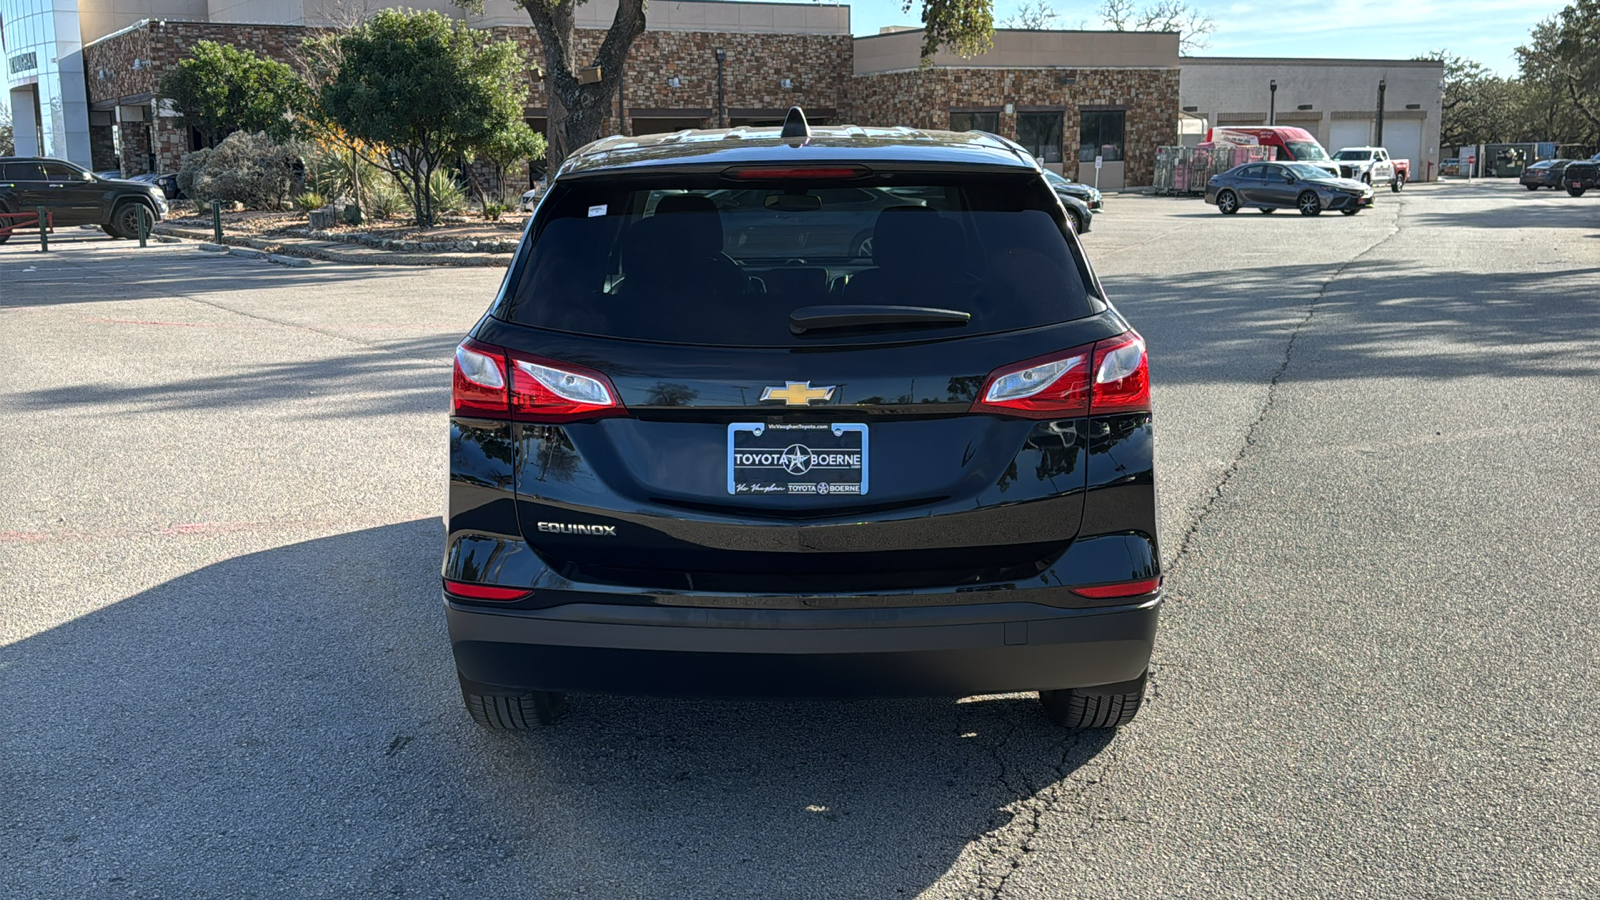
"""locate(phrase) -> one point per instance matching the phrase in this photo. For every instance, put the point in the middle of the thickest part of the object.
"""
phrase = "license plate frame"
(776, 459)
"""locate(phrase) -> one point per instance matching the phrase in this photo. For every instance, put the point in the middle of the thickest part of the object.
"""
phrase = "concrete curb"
(214, 248)
(247, 253)
(365, 256)
(298, 262)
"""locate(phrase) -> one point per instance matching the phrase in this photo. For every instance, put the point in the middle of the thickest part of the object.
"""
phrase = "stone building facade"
(1044, 89)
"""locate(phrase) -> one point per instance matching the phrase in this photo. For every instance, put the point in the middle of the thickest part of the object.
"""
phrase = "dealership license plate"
(793, 458)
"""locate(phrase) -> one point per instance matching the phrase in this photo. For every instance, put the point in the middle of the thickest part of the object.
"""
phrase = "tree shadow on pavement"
(288, 722)
(1376, 318)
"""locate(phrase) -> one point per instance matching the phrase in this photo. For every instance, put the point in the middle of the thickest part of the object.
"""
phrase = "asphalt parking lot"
(224, 671)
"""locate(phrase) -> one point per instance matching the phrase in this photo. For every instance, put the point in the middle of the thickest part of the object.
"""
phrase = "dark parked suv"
(74, 196)
(874, 428)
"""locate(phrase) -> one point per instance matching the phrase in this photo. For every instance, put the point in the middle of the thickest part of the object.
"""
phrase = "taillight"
(537, 389)
(479, 385)
(1112, 375)
(471, 590)
(1120, 589)
(544, 390)
(1121, 376)
(1048, 387)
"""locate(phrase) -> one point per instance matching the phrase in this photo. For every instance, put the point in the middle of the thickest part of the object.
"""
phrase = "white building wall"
(1341, 96)
(44, 60)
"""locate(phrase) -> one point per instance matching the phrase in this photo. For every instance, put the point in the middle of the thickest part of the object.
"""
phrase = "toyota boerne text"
(806, 411)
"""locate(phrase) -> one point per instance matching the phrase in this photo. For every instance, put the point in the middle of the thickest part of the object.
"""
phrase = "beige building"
(1334, 99)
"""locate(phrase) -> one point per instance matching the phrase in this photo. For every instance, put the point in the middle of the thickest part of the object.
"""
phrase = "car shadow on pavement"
(287, 722)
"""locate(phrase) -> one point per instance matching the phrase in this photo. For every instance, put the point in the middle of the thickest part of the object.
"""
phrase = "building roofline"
(886, 34)
(1304, 61)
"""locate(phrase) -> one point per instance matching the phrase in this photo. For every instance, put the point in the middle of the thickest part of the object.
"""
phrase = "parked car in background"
(1581, 176)
(168, 182)
(1292, 144)
(1544, 173)
(769, 474)
(75, 196)
(1373, 165)
(1450, 165)
(1273, 186)
(1088, 193)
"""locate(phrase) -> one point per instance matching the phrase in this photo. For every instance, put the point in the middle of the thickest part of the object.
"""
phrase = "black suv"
(74, 196)
(1581, 176)
(810, 412)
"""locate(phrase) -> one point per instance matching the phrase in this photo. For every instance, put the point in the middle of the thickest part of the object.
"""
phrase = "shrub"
(448, 195)
(310, 200)
(384, 199)
(351, 214)
(251, 169)
(493, 211)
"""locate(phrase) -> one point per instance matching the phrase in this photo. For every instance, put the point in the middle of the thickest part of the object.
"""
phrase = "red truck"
(1292, 143)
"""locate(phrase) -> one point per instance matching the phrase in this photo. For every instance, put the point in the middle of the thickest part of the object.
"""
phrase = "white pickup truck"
(1373, 165)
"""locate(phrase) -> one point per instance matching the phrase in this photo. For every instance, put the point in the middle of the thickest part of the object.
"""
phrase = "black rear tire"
(513, 712)
(1531, 187)
(1267, 210)
(1576, 192)
(1398, 183)
(1107, 706)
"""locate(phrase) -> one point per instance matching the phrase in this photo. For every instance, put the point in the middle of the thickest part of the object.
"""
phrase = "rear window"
(708, 260)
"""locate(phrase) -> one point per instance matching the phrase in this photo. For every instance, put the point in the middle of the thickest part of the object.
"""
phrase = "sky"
(1486, 31)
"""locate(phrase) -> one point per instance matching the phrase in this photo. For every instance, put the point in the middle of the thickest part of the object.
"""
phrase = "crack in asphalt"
(1011, 850)
(1186, 543)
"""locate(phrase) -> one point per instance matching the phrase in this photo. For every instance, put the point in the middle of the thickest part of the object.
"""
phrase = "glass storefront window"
(1100, 133)
(1040, 134)
(975, 121)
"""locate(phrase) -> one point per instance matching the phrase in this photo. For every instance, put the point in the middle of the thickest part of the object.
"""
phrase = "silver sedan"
(1271, 186)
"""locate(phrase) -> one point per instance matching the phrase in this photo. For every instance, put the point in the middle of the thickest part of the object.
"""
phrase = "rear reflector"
(1120, 589)
(473, 591)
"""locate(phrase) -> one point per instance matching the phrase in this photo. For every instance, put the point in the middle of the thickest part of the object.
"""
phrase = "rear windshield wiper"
(832, 318)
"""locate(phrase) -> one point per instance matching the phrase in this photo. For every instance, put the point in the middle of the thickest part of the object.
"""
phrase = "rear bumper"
(916, 651)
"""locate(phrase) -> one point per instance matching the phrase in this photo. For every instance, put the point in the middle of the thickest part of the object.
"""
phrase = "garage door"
(1403, 137)
(1348, 133)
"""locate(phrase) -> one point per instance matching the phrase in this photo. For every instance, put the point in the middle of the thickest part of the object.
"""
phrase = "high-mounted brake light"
(471, 590)
(530, 389)
(762, 173)
(1112, 375)
(1120, 589)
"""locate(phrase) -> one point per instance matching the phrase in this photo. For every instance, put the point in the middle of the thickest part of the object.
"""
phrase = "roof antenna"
(795, 124)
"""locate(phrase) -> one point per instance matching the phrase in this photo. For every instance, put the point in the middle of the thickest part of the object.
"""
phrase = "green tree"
(1564, 55)
(425, 89)
(220, 89)
(1478, 106)
(579, 90)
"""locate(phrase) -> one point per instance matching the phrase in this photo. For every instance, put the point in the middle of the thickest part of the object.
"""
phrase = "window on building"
(1040, 134)
(1100, 134)
(975, 121)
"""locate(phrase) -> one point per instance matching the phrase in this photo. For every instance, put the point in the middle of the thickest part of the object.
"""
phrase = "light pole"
(1377, 139)
(1272, 102)
(722, 110)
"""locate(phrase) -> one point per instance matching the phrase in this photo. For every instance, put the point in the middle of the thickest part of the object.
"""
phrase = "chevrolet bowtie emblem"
(797, 393)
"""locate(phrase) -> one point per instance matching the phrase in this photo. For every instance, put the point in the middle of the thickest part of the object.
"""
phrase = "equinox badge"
(797, 393)
(563, 528)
